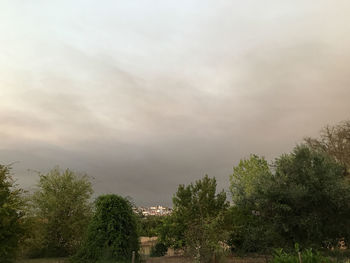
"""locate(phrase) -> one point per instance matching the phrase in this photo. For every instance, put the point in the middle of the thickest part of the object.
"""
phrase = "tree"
(112, 232)
(62, 210)
(150, 225)
(335, 141)
(303, 199)
(197, 221)
(309, 199)
(247, 178)
(11, 215)
(248, 182)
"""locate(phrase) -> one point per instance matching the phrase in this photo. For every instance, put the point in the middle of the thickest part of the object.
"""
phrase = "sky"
(146, 95)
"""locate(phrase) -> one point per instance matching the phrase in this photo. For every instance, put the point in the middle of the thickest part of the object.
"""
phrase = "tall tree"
(335, 141)
(11, 215)
(197, 221)
(309, 198)
(112, 233)
(62, 210)
(247, 178)
(248, 183)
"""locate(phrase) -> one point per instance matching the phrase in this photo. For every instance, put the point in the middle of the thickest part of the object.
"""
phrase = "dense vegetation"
(150, 225)
(302, 198)
(299, 198)
(60, 212)
(12, 214)
(112, 233)
(196, 223)
(297, 256)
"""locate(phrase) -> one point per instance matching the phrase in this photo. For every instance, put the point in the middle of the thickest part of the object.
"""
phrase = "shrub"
(159, 250)
(307, 256)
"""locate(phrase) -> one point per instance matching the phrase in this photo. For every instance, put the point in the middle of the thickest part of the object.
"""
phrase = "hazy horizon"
(146, 95)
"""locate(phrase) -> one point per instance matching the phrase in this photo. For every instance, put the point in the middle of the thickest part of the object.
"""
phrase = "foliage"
(150, 225)
(338, 255)
(335, 141)
(197, 221)
(61, 212)
(159, 250)
(306, 256)
(12, 215)
(112, 233)
(171, 233)
(310, 199)
(247, 178)
(303, 199)
(249, 232)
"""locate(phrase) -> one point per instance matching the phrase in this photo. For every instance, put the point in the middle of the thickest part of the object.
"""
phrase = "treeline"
(301, 199)
(59, 220)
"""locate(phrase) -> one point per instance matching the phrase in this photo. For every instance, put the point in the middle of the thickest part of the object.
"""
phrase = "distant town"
(154, 210)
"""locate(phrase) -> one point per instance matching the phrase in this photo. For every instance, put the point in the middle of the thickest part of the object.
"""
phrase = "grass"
(42, 260)
(178, 259)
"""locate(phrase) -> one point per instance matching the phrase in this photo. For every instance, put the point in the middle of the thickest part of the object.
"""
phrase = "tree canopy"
(310, 198)
(302, 199)
(247, 178)
(335, 141)
(112, 232)
(62, 210)
(150, 225)
(11, 215)
(197, 221)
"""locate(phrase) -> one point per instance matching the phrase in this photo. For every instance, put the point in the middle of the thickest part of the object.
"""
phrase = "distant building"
(154, 210)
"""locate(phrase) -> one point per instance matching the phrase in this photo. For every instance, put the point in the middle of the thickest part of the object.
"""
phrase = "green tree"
(150, 225)
(62, 210)
(302, 199)
(112, 233)
(247, 178)
(248, 182)
(335, 141)
(197, 221)
(11, 216)
(309, 198)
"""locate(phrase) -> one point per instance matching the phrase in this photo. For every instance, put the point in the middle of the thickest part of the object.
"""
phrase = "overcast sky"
(145, 95)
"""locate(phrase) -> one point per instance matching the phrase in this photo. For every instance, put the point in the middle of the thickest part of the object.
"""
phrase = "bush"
(159, 250)
(112, 233)
(338, 255)
(307, 256)
(249, 233)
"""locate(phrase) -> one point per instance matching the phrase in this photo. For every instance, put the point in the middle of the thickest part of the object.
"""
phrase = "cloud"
(145, 100)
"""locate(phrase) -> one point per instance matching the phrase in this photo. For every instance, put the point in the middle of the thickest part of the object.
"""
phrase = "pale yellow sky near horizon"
(144, 95)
